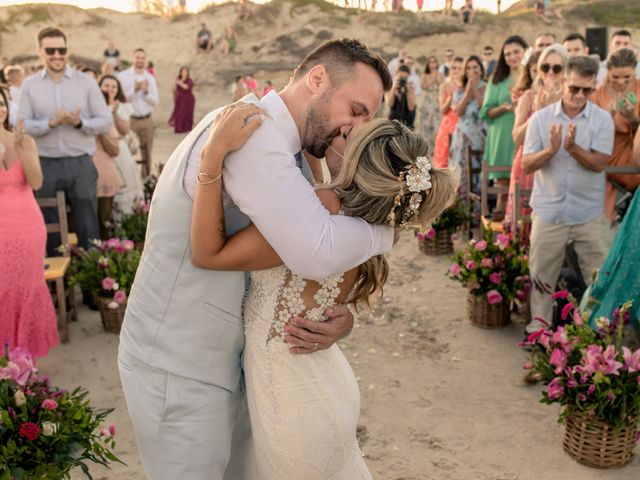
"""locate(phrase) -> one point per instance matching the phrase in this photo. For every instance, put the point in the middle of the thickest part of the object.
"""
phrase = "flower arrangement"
(45, 432)
(107, 270)
(587, 370)
(496, 269)
(133, 225)
(149, 184)
(452, 218)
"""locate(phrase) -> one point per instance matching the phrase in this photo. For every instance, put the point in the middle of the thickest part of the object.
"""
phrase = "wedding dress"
(304, 408)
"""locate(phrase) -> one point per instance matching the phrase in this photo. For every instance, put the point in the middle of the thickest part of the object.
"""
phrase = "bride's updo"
(372, 185)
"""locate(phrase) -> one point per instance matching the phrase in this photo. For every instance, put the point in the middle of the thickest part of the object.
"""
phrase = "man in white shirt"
(445, 68)
(14, 74)
(619, 39)
(141, 90)
(181, 342)
(414, 78)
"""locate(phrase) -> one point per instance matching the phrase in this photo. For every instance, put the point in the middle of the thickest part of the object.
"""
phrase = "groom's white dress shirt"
(263, 181)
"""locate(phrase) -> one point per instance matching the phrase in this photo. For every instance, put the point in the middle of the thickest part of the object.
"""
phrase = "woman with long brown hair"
(449, 116)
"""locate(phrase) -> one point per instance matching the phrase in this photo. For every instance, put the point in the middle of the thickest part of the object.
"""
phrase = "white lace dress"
(304, 408)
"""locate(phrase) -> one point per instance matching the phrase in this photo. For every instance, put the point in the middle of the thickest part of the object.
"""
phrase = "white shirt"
(262, 179)
(565, 192)
(13, 105)
(142, 103)
(414, 78)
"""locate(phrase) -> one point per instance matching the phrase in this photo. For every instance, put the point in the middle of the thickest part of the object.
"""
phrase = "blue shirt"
(41, 98)
(565, 192)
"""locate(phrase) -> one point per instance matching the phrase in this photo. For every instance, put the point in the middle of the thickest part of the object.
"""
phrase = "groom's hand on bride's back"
(307, 336)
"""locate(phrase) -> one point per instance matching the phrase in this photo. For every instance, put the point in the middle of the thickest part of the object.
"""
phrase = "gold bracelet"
(210, 176)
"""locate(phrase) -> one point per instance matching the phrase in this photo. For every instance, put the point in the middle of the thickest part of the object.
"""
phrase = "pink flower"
(560, 294)
(481, 245)
(19, 367)
(631, 359)
(420, 236)
(471, 265)
(49, 404)
(107, 283)
(112, 243)
(493, 297)
(577, 318)
(582, 397)
(431, 234)
(596, 360)
(112, 430)
(127, 245)
(145, 207)
(454, 237)
(527, 365)
(103, 263)
(591, 389)
(455, 269)
(560, 339)
(486, 263)
(558, 359)
(522, 295)
(555, 388)
(120, 296)
(566, 310)
(496, 277)
(502, 241)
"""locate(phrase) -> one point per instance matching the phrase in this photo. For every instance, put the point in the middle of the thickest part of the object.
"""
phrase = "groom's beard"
(317, 136)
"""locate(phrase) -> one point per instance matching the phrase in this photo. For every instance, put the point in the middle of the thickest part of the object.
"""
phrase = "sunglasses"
(585, 90)
(545, 67)
(52, 50)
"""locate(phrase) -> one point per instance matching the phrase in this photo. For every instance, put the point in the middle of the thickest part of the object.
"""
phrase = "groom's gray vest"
(180, 318)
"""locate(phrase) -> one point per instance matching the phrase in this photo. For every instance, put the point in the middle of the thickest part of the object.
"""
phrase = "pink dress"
(27, 316)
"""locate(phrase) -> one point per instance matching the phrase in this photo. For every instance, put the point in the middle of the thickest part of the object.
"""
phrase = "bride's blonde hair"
(368, 183)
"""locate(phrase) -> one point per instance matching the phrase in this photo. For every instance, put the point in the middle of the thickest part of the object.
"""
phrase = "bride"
(304, 408)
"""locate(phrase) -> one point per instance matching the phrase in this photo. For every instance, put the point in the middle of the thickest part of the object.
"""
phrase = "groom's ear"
(317, 79)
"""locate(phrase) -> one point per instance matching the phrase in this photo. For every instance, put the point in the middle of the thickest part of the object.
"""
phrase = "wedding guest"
(395, 62)
(543, 41)
(28, 319)
(152, 69)
(251, 84)
(488, 62)
(229, 41)
(109, 179)
(111, 56)
(619, 95)
(402, 98)
(141, 90)
(568, 144)
(204, 39)
(15, 77)
(467, 13)
(238, 88)
(449, 58)
(184, 103)
(414, 78)
(575, 45)
(64, 111)
(497, 112)
(546, 88)
(619, 39)
(470, 132)
(428, 106)
(449, 116)
(130, 191)
(268, 86)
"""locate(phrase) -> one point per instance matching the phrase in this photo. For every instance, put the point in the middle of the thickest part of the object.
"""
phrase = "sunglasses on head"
(585, 90)
(52, 50)
(545, 67)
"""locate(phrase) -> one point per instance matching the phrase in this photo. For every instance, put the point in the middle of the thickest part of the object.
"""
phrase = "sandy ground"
(441, 399)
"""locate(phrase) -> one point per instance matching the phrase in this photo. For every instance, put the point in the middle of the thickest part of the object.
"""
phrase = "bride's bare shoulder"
(330, 200)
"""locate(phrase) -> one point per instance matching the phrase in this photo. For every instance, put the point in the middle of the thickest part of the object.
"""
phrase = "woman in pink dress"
(28, 319)
(449, 116)
(184, 103)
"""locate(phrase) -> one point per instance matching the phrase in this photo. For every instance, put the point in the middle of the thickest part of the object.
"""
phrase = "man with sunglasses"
(64, 110)
(567, 145)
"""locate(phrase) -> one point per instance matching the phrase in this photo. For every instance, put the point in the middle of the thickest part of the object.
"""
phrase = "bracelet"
(210, 176)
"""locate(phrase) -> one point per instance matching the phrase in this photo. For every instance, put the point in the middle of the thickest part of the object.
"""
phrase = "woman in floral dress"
(428, 105)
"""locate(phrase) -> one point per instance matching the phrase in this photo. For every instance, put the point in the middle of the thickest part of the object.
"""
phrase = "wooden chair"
(471, 197)
(520, 193)
(488, 223)
(56, 267)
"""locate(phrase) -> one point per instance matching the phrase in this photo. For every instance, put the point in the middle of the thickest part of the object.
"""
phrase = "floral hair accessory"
(417, 178)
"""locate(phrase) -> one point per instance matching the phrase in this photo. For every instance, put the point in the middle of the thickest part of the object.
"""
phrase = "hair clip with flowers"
(417, 178)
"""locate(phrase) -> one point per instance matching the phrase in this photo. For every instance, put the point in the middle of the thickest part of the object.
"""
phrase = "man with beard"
(182, 338)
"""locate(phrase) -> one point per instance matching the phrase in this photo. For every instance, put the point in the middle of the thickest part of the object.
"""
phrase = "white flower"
(19, 398)
(116, 286)
(602, 323)
(49, 428)
(113, 305)
(418, 177)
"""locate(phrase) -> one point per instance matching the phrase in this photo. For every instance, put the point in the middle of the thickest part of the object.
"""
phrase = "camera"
(402, 82)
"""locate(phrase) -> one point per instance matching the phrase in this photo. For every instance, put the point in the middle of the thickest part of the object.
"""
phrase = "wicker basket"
(594, 443)
(111, 317)
(484, 315)
(441, 244)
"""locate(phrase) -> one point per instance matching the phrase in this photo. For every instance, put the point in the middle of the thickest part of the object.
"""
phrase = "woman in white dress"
(304, 408)
(130, 193)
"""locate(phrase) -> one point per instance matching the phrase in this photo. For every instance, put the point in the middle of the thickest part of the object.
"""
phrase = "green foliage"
(133, 225)
(453, 217)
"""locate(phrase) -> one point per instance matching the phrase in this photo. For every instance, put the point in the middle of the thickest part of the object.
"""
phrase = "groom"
(182, 338)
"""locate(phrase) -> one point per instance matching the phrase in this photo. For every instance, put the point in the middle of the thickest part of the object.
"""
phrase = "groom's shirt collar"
(282, 118)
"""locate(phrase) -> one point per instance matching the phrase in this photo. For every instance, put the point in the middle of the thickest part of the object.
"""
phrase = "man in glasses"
(567, 145)
(445, 68)
(64, 110)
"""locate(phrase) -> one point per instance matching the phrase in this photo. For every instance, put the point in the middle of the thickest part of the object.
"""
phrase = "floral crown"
(417, 179)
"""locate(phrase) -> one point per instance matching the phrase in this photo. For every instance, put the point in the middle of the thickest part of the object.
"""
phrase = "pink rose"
(112, 430)
(555, 388)
(471, 265)
(486, 263)
(107, 283)
(420, 236)
(112, 243)
(19, 367)
(481, 245)
(502, 241)
(120, 296)
(496, 277)
(493, 297)
(431, 234)
(558, 359)
(49, 404)
(455, 269)
(127, 245)
(527, 365)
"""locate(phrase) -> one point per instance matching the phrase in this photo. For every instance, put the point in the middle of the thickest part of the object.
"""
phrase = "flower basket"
(595, 443)
(439, 244)
(485, 315)
(111, 317)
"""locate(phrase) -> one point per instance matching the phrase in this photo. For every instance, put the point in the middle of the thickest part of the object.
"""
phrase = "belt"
(141, 117)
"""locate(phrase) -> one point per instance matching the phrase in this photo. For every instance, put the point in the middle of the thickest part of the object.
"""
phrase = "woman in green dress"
(497, 111)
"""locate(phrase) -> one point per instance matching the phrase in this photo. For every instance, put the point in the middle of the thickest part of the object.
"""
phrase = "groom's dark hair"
(340, 56)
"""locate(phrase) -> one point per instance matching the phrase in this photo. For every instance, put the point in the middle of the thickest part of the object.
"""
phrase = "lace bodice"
(276, 296)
